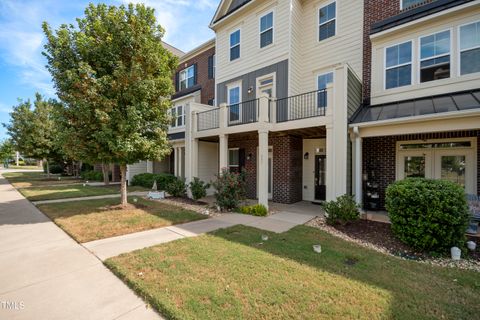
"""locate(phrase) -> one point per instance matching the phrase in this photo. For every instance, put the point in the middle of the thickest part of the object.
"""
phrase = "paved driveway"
(44, 274)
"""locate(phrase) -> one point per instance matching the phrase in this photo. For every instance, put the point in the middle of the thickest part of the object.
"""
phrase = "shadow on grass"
(419, 291)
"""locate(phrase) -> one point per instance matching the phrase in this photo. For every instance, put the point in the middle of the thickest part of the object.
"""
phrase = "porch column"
(149, 166)
(223, 152)
(330, 174)
(358, 167)
(263, 167)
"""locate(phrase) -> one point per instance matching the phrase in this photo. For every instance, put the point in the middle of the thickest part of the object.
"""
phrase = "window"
(233, 159)
(178, 117)
(234, 104)
(234, 45)
(398, 65)
(435, 56)
(327, 21)
(266, 30)
(187, 77)
(405, 4)
(211, 67)
(322, 81)
(470, 48)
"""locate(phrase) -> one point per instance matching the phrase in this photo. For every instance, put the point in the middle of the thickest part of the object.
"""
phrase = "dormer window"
(178, 117)
(235, 45)
(435, 56)
(470, 48)
(398, 65)
(187, 77)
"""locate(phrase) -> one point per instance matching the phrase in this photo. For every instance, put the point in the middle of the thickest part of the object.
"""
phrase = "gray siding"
(354, 93)
(250, 80)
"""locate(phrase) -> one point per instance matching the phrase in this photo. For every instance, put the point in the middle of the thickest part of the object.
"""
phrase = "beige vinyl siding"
(322, 56)
(207, 161)
(162, 166)
(295, 60)
(354, 92)
(451, 22)
(136, 168)
(252, 57)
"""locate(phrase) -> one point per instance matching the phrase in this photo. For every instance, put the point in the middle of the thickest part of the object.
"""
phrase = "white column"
(263, 115)
(358, 167)
(175, 161)
(330, 192)
(263, 167)
(149, 166)
(223, 117)
(223, 152)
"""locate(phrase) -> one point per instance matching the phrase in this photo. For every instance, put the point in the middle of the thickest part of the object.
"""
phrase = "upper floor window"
(398, 65)
(327, 21)
(234, 104)
(266, 30)
(178, 116)
(322, 81)
(470, 48)
(235, 45)
(435, 56)
(405, 4)
(211, 67)
(187, 77)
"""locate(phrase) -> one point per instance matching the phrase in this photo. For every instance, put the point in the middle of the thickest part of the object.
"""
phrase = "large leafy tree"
(33, 130)
(114, 78)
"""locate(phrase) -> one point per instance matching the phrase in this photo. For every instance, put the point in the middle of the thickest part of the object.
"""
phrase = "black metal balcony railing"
(207, 120)
(242, 113)
(301, 106)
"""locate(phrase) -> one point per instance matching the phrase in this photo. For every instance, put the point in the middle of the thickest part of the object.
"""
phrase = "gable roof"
(226, 8)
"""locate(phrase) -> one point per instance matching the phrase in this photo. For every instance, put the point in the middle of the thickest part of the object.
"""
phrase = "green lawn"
(93, 219)
(230, 274)
(30, 179)
(71, 191)
(25, 167)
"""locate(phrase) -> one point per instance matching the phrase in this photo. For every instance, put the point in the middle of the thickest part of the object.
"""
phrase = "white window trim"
(318, 75)
(214, 67)
(419, 54)
(459, 50)
(399, 65)
(260, 32)
(176, 126)
(239, 45)
(232, 86)
(318, 24)
(228, 160)
(272, 75)
(185, 71)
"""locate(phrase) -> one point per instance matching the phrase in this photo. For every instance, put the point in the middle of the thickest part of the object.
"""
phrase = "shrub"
(55, 168)
(177, 188)
(198, 188)
(430, 215)
(255, 210)
(92, 175)
(229, 189)
(146, 180)
(342, 210)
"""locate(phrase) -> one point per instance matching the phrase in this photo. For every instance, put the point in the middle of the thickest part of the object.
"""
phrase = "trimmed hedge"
(429, 215)
(146, 180)
(255, 210)
(342, 211)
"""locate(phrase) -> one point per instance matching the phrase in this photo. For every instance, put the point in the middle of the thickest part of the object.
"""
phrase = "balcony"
(208, 120)
(301, 106)
(243, 112)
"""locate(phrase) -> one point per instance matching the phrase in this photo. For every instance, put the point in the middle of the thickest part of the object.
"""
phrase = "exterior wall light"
(305, 156)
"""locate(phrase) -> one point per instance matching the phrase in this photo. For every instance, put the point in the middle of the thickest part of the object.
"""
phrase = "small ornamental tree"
(33, 131)
(6, 151)
(114, 78)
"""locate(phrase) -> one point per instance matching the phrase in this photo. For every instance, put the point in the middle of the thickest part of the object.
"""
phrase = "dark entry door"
(320, 177)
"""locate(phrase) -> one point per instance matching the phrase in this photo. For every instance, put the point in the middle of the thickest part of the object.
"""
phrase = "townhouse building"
(421, 85)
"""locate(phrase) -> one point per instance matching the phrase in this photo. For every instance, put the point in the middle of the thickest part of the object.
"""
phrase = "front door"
(320, 177)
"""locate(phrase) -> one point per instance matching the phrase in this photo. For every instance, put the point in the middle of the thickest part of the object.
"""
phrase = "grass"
(31, 179)
(71, 191)
(91, 220)
(25, 167)
(230, 274)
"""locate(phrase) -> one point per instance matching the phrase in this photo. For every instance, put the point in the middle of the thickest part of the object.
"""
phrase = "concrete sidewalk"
(46, 275)
(279, 222)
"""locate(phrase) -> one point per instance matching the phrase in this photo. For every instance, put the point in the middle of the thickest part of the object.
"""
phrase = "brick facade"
(379, 156)
(207, 85)
(287, 166)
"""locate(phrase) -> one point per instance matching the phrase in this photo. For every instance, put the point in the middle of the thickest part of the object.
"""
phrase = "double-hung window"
(470, 48)
(187, 77)
(233, 159)
(406, 4)
(235, 45)
(435, 56)
(398, 65)
(322, 81)
(234, 104)
(327, 21)
(266, 29)
(178, 117)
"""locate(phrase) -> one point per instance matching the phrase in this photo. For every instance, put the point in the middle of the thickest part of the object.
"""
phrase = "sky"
(22, 65)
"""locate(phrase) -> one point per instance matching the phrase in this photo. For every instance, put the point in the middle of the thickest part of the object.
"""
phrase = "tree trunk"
(48, 168)
(106, 171)
(123, 185)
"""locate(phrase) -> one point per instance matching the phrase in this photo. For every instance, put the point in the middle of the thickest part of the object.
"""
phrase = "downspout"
(358, 165)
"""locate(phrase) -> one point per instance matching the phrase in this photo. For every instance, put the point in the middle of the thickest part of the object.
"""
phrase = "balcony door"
(453, 160)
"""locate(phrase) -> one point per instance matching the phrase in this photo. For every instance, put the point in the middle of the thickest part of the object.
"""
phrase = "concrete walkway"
(105, 196)
(279, 222)
(46, 275)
